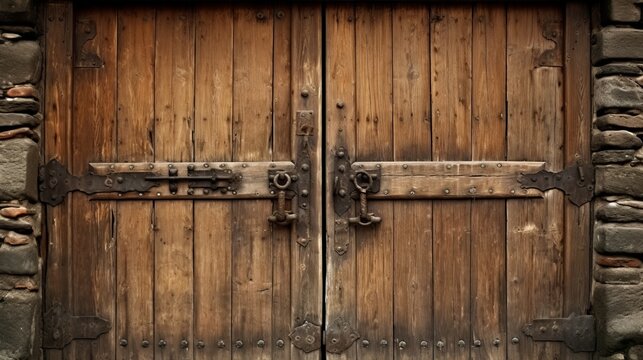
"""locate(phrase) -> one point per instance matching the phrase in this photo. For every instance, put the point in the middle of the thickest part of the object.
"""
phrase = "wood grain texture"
(212, 219)
(134, 236)
(341, 280)
(252, 129)
(173, 222)
(57, 145)
(535, 228)
(306, 265)
(488, 128)
(374, 130)
(412, 224)
(93, 246)
(451, 115)
(577, 130)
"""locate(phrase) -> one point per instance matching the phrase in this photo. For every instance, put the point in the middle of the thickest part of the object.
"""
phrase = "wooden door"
(185, 272)
(448, 105)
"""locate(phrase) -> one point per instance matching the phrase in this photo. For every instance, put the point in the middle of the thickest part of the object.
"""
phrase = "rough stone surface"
(615, 139)
(618, 92)
(8, 120)
(619, 213)
(15, 239)
(19, 225)
(19, 260)
(619, 121)
(621, 315)
(612, 157)
(19, 316)
(628, 69)
(619, 238)
(20, 62)
(19, 160)
(621, 11)
(617, 261)
(612, 43)
(19, 105)
(614, 179)
(13, 212)
(635, 353)
(626, 276)
(23, 91)
(10, 282)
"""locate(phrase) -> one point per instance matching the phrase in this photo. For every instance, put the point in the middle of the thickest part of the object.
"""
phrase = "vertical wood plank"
(412, 237)
(306, 267)
(93, 247)
(282, 142)
(173, 221)
(577, 129)
(57, 127)
(340, 129)
(451, 115)
(535, 131)
(488, 252)
(134, 237)
(212, 219)
(252, 129)
(374, 142)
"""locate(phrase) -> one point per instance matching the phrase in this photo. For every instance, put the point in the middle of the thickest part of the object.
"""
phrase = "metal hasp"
(577, 331)
(60, 328)
(306, 337)
(340, 335)
(577, 181)
(351, 185)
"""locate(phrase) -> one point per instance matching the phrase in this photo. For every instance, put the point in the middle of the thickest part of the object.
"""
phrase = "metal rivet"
(473, 190)
(512, 191)
(140, 194)
(440, 344)
(499, 165)
(542, 329)
(151, 166)
(477, 343)
(200, 344)
(158, 194)
(244, 165)
(385, 192)
(342, 192)
(402, 344)
(365, 343)
(234, 193)
(145, 343)
(206, 165)
(490, 191)
(304, 193)
(280, 343)
(379, 166)
(238, 344)
(280, 14)
(341, 168)
(184, 344)
(304, 93)
(449, 166)
(261, 343)
(131, 167)
(424, 343)
(340, 104)
(260, 16)
(461, 343)
(162, 343)
(446, 191)
(304, 205)
(191, 167)
(341, 154)
(412, 192)
(221, 344)
(170, 166)
(515, 340)
(405, 166)
(206, 191)
(483, 166)
(190, 191)
(123, 342)
(294, 177)
(383, 342)
(222, 165)
(305, 167)
(111, 166)
(120, 179)
(496, 342)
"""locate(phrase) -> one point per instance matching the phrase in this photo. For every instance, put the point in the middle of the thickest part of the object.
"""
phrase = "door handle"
(363, 182)
(282, 181)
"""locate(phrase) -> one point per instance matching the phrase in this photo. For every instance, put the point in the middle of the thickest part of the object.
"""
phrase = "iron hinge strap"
(576, 181)
(60, 327)
(578, 332)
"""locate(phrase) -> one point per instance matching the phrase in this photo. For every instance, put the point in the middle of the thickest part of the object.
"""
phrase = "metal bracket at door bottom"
(576, 331)
(60, 327)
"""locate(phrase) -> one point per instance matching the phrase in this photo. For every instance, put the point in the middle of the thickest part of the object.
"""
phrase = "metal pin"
(123, 342)
(280, 343)
(515, 340)
(402, 344)
(365, 343)
(184, 344)
(221, 344)
(200, 344)
(261, 343)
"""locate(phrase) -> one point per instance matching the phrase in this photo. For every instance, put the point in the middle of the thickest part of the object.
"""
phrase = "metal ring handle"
(285, 185)
(363, 187)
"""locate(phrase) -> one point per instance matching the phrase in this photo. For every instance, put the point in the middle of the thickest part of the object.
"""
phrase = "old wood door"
(447, 105)
(195, 271)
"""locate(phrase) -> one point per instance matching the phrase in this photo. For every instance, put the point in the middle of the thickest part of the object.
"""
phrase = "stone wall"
(20, 224)
(617, 56)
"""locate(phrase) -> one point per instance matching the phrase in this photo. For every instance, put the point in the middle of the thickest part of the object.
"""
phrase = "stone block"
(612, 157)
(619, 121)
(635, 353)
(19, 120)
(19, 160)
(615, 139)
(612, 43)
(19, 260)
(613, 212)
(19, 105)
(623, 276)
(20, 319)
(617, 261)
(625, 68)
(619, 238)
(20, 62)
(621, 11)
(614, 179)
(618, 92)
(22, 282)
(619, 315)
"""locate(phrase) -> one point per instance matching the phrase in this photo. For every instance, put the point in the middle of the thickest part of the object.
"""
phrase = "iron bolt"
(200, 344)
(515, 340)
(477, 343)
(304, 93)
(123, 342)
(221, 344)
(184, 344)
(162, 343)
(340, 105)
(461, 343)
(119, 179)
(191, 167)
(424, 343)
(341, 168)
(280, 14)
(304, 193)
(383, 342)
(365, 343)
(280, 343)
(342, 192)
(238, 344)
(402, 344)
(260, 16)
(496, 342)
(261, 343)
(190, 191)
(440, 344)
(305, 167)
(341, 154)
(145, 343)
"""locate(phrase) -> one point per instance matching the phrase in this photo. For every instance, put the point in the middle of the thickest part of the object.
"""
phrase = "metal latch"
(60, 328)
(576, 331)
(351, 185)
(577, 181)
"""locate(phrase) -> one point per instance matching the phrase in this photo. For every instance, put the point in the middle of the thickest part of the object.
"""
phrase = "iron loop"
(359, 178)
(279, 177)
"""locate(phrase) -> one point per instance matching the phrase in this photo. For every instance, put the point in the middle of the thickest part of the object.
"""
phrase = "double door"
(306, 181)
